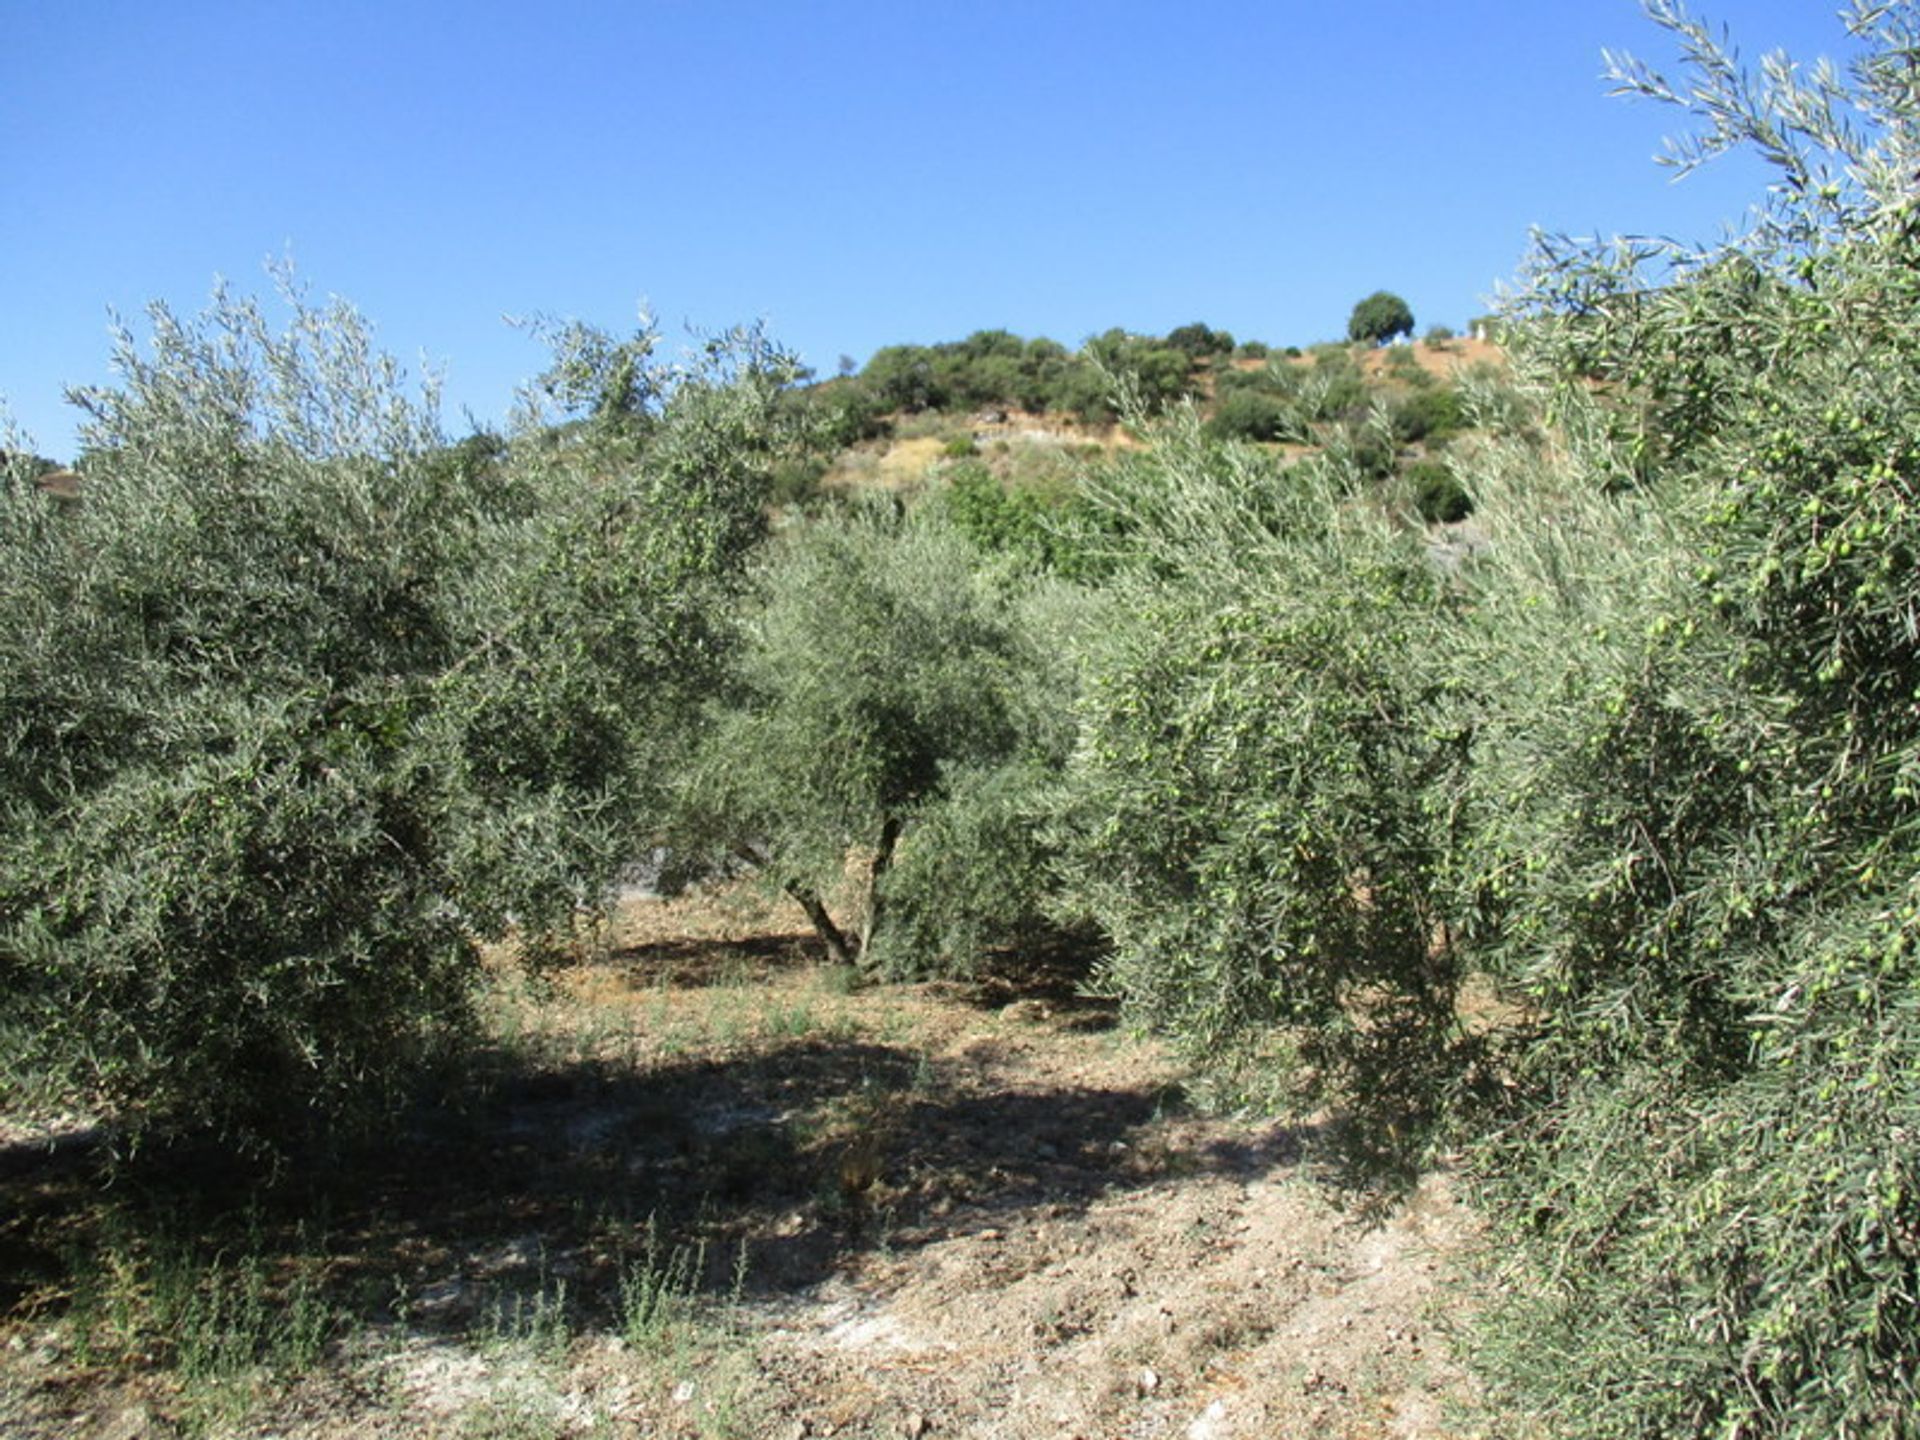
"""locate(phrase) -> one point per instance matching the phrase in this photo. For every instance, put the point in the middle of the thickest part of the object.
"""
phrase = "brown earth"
(943, 1209)
(1442, 361)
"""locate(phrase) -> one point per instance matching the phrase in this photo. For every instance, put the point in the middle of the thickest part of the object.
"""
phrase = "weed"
(513, 1415)
(789, 1021)
(840, 979)
(895, 1024)
(727, 1019)
(534, 1321)
(215, 1323)
(657, 1287)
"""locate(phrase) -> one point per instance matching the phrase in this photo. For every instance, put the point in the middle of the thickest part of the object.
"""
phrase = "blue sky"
(853, 173)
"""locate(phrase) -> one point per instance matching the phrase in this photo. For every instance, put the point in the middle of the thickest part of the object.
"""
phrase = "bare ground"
(951, 1210)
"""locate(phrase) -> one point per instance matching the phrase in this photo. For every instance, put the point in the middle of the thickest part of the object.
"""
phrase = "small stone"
(1148, 1382)
(914, 1426)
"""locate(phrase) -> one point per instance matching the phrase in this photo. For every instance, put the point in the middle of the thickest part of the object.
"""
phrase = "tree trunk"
(882, 862)
(836, 940)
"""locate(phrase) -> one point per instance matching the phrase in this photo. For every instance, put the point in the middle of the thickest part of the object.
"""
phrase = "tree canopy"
(1379, 318)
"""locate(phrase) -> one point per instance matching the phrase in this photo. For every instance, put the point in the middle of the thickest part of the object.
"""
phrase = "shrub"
(1249, 414)
(1031, 528)
(1432, 413)
(1438, 496)
(1247, 814)
(1403, 365)
(1277, 380)
(1199, 342)
(1695, 798)
(905, 377)
(1336, 390)
(1156, 374)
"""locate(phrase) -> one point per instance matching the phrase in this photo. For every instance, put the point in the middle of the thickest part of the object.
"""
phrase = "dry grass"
(704, 1186)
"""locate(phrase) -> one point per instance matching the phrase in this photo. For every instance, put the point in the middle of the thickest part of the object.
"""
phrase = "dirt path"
(946, 1210)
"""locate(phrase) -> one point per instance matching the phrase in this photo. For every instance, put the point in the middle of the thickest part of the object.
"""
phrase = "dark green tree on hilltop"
(1379, 318)
(1200, 341)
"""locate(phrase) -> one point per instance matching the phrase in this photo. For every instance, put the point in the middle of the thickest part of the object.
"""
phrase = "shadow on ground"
(775, 1164)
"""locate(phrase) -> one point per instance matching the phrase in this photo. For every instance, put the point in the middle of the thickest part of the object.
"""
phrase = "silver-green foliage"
(886, 700)
(979, 871)
(297, 703)
(1696, 847)
(221, 879)
(599, 625)
(1255, 812)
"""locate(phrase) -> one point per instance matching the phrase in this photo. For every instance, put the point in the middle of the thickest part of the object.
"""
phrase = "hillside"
(1028, 412)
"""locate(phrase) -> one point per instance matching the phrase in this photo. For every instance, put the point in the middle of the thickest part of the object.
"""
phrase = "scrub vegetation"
(1488, 769)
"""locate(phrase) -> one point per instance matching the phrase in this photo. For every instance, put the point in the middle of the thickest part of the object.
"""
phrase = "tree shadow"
(693, 964)
(1054, 969)
(766, 1169)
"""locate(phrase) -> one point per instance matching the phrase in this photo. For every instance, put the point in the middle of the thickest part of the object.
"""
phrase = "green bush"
(1695, 832)
(905, 377)
(1432, 414)
(1404, 366)
(1156, 374)
(1335, 389)
(1248, 414)
(1199, 342)
(1438, 496)
(1087, 393)
(988, 368)
(1267, 380)
(1028, 527)
(1249, 814)
(299, 702)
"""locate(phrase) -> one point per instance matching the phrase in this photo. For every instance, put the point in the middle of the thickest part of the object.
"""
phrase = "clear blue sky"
(852, 172)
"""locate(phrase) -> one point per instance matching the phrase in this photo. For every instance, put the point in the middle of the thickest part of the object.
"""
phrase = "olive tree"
(599, 624)
(1252, 812)
(1693, 847)
(880, 740)
(223, 777)
(298, 704)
